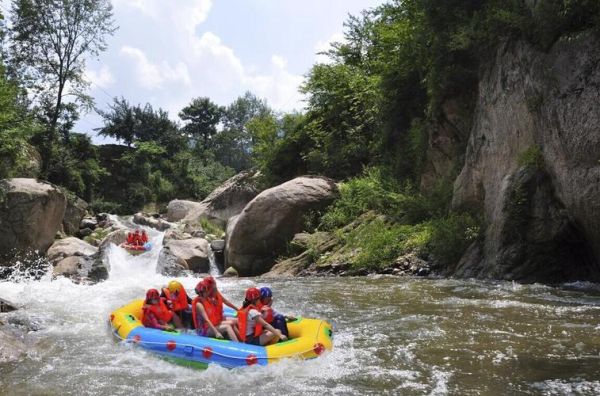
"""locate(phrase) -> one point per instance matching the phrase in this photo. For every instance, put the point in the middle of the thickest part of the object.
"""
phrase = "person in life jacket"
(214, 292)
(156, 313)
(130, 238)
(279, 320)
(137, 238)
(180, 302)
(207, 315)
(144, 237)
(252, 327)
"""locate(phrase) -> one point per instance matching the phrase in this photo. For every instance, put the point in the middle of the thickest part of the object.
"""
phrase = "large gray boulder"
(261, 232)
(188, 254)
(74, 213)
(31, 212)
(76, 259)
(538, 110)
(70, 246)
(224, 202)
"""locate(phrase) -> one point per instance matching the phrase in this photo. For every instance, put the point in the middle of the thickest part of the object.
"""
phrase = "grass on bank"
(211, 228)
(379, 221)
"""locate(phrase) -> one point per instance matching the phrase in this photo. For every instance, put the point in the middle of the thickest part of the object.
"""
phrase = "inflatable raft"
(136, 249)
(309, 338)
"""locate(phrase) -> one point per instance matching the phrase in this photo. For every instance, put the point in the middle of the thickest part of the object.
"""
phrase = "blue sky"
(167, 52)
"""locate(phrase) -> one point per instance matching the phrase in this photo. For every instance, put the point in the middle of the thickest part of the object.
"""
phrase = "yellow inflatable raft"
(308, 338)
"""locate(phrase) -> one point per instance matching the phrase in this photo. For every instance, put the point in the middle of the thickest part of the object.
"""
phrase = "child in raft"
(156, 314)
(279, 321)
(175, 293)
(214, 293)
(207, 314)
(252, 327)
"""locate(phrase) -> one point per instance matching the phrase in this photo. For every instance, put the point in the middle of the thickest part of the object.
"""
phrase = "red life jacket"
(180, 303)
(160, 310)
(214, 308)
(130, 238)
(144, 238)
(243, 320)
(214, 311)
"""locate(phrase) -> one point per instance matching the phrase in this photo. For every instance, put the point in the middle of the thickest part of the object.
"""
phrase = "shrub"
(451, 236)
(532, 158)
(211, 228)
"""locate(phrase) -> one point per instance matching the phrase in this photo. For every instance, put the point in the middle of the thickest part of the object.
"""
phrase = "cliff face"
(542, 220)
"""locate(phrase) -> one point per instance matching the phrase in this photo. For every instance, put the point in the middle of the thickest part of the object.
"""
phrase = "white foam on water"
(392, 339)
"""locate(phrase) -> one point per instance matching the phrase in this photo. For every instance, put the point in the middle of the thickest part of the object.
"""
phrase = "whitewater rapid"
(391, 336)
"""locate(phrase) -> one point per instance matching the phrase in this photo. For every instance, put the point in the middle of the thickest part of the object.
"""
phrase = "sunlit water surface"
(392, 336)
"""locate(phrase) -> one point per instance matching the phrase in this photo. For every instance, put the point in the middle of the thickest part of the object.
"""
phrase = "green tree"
(201, 117)
(233, 145)
(16, 129)
(50, 40)
(342, 119)
(132, 124)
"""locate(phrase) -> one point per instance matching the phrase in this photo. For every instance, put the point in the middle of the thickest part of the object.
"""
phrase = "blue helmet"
(265, 292)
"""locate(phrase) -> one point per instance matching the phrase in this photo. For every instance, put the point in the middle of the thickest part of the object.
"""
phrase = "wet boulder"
(262, 231)
(189, 254)
(151, 221)
(6, 306)
(230, 273)
(88, 222)
(73, 258)
(31, 212)
(175, 234)
(70, 246)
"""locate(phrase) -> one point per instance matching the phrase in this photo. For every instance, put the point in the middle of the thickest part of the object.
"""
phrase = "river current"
(400, 336)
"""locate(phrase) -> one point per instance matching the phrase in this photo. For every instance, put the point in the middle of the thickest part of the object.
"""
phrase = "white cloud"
(152, 76)
(325, 45)
(195, 64)
(102, 78)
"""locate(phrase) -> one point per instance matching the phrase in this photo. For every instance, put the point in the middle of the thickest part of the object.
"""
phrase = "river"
(406, 336)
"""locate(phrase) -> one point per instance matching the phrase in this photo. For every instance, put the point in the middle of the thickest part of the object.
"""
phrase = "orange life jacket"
(214, 311)
(214, 308)
(160, 310)
(180, 303)
(242, 317)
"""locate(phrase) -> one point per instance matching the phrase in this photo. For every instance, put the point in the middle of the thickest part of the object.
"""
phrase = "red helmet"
(210, 281)
(152, 294)
(267, 313)
(201, 287)
(252, 294)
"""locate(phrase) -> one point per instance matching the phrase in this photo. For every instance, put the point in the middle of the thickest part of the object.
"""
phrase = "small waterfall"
(214, 269)
(124, 265)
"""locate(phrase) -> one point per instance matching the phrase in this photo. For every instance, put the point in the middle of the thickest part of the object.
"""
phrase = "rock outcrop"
(74, 213)
(151, 221)
(260, 233)
(70, 247)
(31, 212)
(532, 164)
(224, 202)
(76, 259)
(184, 255)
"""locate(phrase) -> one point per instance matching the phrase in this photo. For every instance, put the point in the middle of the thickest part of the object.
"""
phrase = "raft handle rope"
(132, 341)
